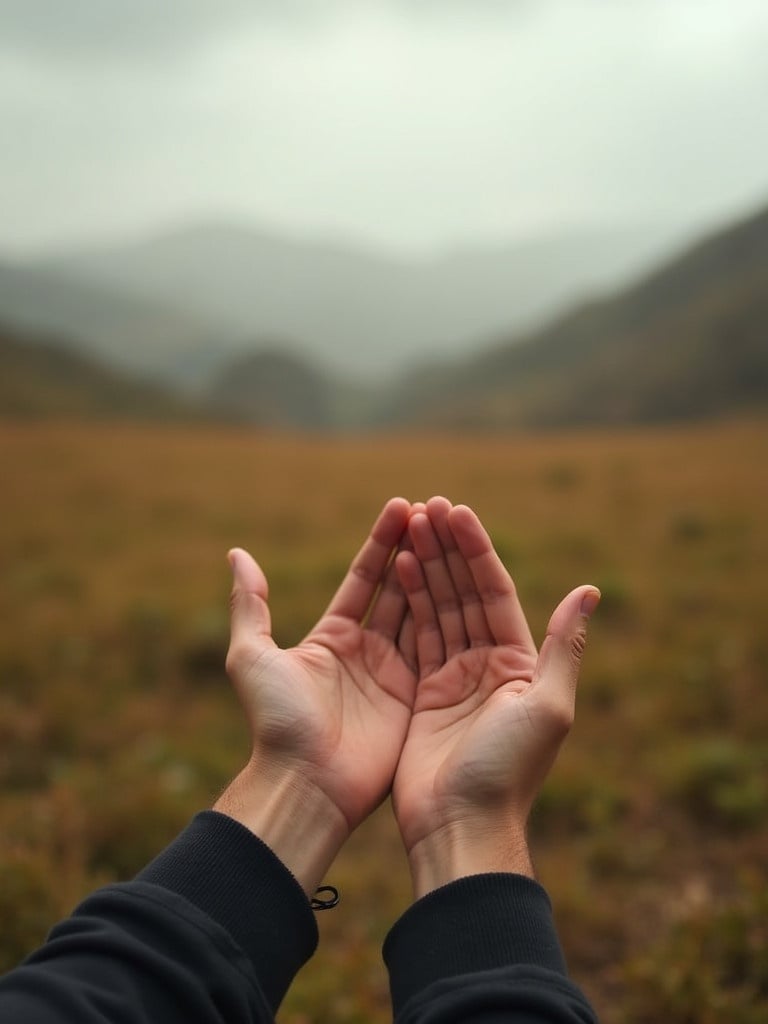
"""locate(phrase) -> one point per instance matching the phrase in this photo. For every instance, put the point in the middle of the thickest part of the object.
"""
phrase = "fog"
(413, 127)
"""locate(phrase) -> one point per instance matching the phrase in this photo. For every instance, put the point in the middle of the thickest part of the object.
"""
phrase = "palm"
(340, 703)
(470, 723)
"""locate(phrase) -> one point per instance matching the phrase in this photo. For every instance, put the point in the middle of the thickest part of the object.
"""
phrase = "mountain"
(273, 388)
(357, 313)
(137, 334)
(40, 378)
(689, 340)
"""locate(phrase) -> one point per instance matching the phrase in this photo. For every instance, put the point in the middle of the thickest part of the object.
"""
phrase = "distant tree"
(273, 387)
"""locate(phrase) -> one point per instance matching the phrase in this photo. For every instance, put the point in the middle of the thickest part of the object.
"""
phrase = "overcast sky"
(414, 124)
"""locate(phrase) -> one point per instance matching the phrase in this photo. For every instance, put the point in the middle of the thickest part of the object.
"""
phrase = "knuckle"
(467, 593)
(235, 660)
(559, 716)
(447, 605)
(365, 572)
(577, 645)
(496, 594)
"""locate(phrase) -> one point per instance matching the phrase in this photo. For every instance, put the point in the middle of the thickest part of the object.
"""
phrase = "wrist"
(458, 850)
(291, 815)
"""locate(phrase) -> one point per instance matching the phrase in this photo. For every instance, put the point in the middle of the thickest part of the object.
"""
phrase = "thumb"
(249, 611)
(559, 661)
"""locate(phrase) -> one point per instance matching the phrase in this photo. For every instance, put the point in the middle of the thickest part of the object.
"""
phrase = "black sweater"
(215, 928)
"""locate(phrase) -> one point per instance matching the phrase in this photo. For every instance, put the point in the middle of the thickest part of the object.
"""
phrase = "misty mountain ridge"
(358, 313)
(688, 340)
(41, 378)
(140, 336)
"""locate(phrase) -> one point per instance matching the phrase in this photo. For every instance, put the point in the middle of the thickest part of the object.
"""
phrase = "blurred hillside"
(273, 388)
(204, 292)
(690, 340)
(40, 378)
(138, 335)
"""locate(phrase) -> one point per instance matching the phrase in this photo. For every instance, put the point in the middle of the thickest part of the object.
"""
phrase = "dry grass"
(652, 833)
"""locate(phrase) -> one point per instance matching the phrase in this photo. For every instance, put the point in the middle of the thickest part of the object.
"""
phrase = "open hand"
(490, 711)
(328, 717)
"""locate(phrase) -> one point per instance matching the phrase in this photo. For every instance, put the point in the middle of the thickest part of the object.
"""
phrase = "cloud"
(105, 29)
(415, 122)
(99, 30)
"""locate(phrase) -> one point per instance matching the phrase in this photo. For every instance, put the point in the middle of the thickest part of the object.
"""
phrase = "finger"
(445, 600)
(430, 652)
(406, 643)
(557, 668)
(390, 604)
(367, 569)
(501, 605)
(475, 623)
(250, 612)
(250, 621)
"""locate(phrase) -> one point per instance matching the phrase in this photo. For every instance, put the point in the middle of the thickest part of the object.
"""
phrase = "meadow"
(117, 721)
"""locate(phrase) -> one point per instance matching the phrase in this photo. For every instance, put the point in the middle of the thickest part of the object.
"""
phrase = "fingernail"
(589, 602)
(231, 559)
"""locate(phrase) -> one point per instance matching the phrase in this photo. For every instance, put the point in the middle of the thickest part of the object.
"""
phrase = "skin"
(421, 678)
(328, 718)
(490, 711)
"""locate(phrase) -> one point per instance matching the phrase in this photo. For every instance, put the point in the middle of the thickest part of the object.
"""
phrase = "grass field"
(117, 722)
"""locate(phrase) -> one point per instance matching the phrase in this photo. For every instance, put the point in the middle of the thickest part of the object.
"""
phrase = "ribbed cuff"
(233, 877)
(473, 924)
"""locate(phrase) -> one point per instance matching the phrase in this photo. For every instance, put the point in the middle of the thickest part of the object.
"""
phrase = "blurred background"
(264, 264)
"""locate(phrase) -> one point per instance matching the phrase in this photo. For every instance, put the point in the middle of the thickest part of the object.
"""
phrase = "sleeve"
(482, 950)
(212, 931)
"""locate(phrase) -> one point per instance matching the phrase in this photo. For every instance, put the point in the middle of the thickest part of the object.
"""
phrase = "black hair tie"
(326, 896)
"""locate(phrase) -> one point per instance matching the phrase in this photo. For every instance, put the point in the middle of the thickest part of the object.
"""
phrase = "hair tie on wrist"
(325, 902)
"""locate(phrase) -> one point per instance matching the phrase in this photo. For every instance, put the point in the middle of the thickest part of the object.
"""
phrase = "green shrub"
(688, 527)
(720, 782)
(562, 476)
(617, 599)
(204, 652)
(570, 804)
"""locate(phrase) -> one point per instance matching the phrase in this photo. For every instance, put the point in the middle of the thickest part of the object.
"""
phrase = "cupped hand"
(490, 711)
(328, 717)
